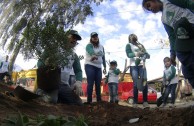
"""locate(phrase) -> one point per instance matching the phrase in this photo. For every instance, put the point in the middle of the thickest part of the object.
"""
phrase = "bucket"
(48, 79)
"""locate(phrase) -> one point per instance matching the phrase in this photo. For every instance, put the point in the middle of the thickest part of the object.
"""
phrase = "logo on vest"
(182, 33)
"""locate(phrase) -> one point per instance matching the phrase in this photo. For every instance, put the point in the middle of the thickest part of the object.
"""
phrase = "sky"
(114, 20)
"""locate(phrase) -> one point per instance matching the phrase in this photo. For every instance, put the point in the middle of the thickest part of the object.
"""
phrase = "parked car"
(153, 95)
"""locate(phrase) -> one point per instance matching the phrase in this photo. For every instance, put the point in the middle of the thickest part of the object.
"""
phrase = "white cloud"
(136, 26)
(114, 21)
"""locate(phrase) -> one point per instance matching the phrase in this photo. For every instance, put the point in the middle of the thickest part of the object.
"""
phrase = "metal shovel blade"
(24, 94)
(142, 82)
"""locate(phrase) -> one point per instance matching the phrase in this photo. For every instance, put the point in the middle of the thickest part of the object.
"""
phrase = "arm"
(129, 52)
(189, 4)
(77, 68)
(146, 53)
(1, 65)
(164, 79)
(172, 38)
(106, 81)
(89, 49)
(173, 73)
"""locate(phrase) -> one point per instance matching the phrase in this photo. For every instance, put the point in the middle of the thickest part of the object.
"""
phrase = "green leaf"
(71, 118)
(51, 117)
(25, 119)
(42, 123)
(69, 124)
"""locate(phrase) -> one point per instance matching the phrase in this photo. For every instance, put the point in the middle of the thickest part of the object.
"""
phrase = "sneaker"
(111, 101)
(163, 105)
(146, 105)
(117, 102)
(135, 105)
(171, 105)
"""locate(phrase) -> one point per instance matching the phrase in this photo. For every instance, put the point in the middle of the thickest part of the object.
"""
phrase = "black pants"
(67, 96)
(2, 75)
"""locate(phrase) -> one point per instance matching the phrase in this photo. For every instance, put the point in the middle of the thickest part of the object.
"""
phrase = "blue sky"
(114, 20)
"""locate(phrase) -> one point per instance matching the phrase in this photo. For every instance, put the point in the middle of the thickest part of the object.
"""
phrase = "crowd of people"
(180, 29)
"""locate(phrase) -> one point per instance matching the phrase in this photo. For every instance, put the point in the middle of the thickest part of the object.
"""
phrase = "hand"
(173, 60)
(167, 83)
(78, 88)
(139, 54)
(104, 71)
(94, 58)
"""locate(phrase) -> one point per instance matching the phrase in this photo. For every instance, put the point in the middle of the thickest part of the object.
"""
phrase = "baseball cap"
(75, 33)
(184, 32)
(93, 33)
(113, 62)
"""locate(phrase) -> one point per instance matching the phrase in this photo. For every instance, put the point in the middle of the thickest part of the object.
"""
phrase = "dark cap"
(184, 32)
(75, 33)
(93, 33)
(113, 62)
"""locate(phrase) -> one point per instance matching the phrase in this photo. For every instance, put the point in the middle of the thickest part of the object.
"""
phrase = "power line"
(146, 49)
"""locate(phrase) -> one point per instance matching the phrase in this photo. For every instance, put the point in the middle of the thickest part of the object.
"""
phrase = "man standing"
(65, 93)
(4, 66)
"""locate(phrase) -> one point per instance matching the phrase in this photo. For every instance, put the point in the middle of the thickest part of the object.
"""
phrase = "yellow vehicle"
(26, 79)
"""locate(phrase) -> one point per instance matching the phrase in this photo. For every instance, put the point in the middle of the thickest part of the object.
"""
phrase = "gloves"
(78, 88)
(104, 71)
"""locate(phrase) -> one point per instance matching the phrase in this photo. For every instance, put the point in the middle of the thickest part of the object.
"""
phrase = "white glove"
(78, 88)
(104, 71)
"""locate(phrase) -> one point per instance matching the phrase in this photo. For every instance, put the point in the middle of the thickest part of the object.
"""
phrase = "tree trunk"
(14, 56)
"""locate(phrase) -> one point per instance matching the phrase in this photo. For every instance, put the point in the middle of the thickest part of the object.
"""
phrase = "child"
(169, 82)
(178, 20)
(112, 80)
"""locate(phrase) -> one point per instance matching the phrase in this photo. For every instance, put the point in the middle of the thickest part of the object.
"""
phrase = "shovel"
(142, 82)
(24, 94)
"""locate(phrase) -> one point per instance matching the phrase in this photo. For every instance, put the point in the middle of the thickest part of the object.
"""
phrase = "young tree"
(25, 24)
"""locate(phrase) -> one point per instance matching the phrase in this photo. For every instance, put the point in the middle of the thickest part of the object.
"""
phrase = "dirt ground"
(100, 114)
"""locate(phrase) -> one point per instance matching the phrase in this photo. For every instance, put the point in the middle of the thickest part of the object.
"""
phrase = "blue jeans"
(136, 72)
(187, 61)
(113, 92)
(170, 89)
(94, 75)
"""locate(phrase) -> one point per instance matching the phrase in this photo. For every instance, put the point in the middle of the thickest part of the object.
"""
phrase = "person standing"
(170, 82)
(135, 52)
(95, 57)
(113, 79)
(4, 68)
(65, 93)
(178, 21)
